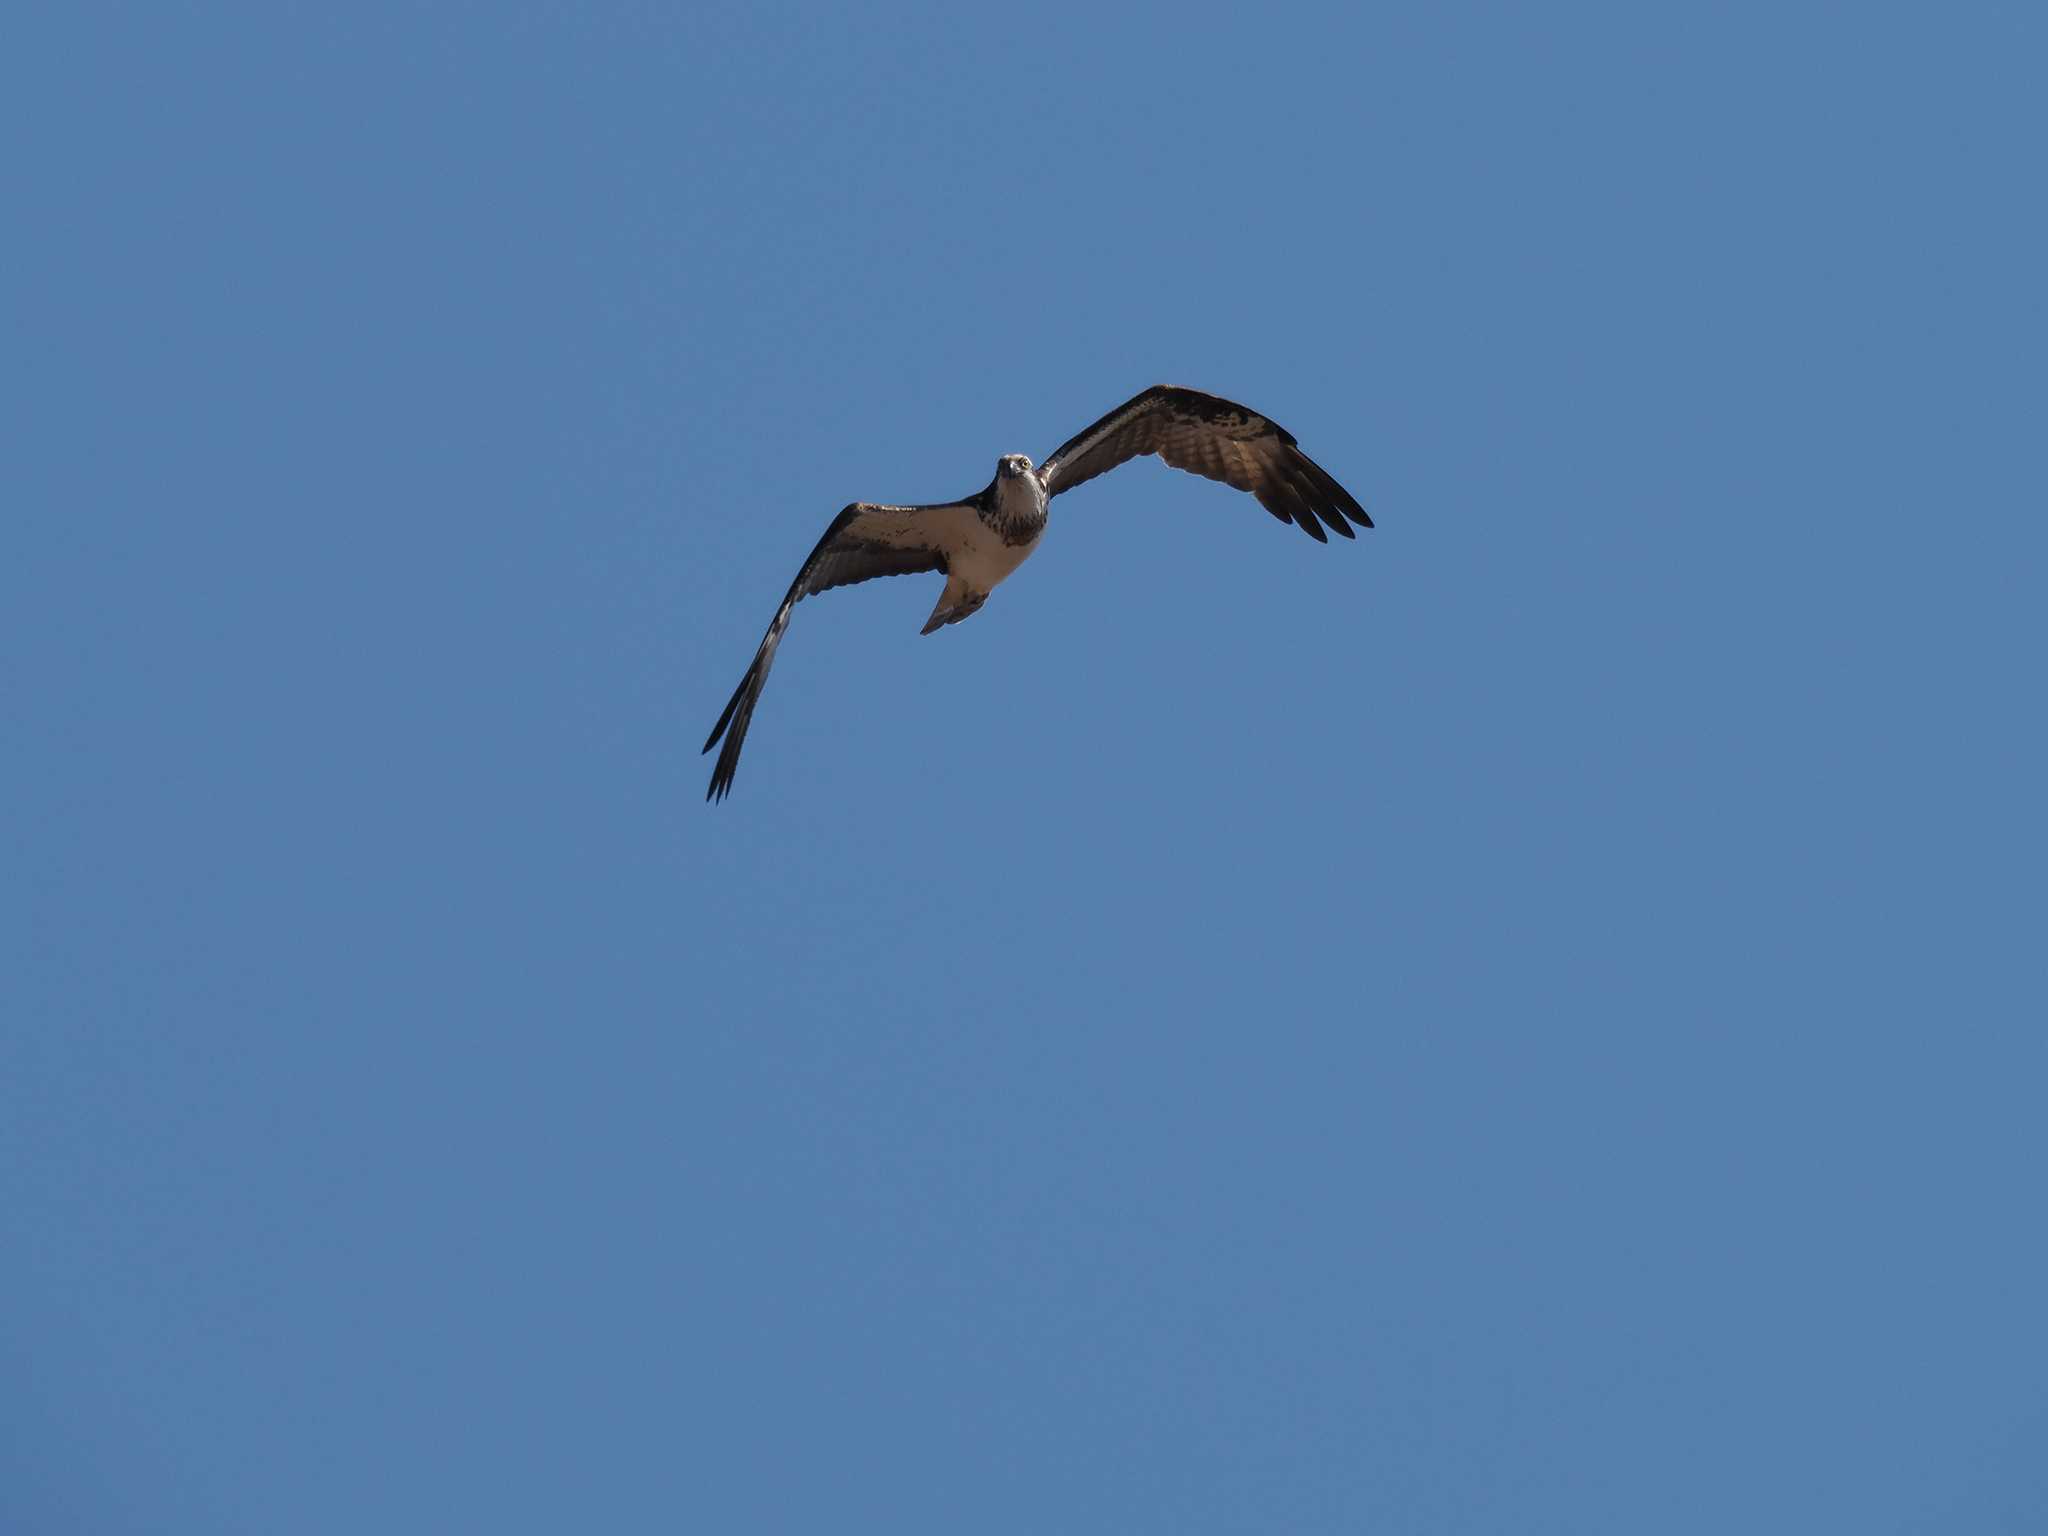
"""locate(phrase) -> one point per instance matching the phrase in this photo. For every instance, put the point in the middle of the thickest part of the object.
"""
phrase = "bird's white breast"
(976, 553)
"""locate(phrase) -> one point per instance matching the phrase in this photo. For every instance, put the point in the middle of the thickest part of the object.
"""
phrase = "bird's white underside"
(977, 558)
(977, 553)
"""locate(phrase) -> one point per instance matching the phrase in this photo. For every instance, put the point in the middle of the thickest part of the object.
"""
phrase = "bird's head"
(1011, 465)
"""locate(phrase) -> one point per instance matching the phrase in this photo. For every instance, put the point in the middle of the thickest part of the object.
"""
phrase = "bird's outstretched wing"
(1215, 438)
(863, 542)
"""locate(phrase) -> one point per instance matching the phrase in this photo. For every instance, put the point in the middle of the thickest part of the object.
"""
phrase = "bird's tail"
(959, 601)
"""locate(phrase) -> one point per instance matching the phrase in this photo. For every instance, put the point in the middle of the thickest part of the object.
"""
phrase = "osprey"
(978, 542)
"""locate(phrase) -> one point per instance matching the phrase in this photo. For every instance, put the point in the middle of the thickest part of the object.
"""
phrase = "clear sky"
(1529, 1022)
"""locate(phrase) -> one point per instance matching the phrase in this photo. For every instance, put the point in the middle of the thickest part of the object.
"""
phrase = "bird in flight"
(978, 542)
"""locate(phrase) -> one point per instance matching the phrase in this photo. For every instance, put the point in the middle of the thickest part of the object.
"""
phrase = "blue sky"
(1529, 1022)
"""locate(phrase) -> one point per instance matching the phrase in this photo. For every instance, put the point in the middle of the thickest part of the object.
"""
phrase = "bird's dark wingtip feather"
(1316, 491)
(721, 779)
(1330, 492)
(731, 706)
(738, 713)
